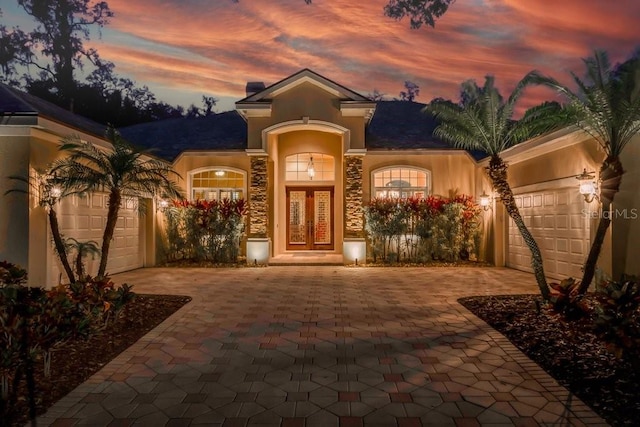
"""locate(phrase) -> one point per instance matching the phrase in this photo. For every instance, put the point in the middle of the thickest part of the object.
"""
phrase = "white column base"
(258, 250)
(354, 251)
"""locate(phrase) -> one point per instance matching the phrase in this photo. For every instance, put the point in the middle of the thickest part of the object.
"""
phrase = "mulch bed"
(569, 351)
(76, 360)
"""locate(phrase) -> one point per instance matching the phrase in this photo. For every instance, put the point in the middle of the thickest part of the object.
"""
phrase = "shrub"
(205, 230)
(423, 229)
(566, 299)
(34, 321)
(618, 314)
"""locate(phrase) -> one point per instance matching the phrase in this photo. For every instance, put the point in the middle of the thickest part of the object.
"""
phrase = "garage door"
(84, 218)
(557, 220)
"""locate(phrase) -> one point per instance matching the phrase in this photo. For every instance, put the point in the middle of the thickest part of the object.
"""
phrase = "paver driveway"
(323, 346)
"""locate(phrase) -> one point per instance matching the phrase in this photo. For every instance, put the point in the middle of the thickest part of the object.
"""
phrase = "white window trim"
(311, 181)
(416, 168)
(191, 173)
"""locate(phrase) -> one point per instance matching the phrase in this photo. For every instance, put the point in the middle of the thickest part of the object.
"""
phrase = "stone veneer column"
(354, 220)
(258, 200)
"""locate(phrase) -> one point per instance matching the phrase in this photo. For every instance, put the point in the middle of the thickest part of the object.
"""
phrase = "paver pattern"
(323, 346)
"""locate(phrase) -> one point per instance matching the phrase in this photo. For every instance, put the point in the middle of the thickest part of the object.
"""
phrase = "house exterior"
(308, 153)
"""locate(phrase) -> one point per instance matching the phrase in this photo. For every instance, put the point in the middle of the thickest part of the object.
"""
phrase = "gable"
(301, 77)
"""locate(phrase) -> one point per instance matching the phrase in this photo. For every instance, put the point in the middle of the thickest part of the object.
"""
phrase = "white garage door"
(84, 218)
(557, 220)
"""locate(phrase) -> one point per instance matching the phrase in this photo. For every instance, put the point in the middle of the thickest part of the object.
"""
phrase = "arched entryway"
(306, 190)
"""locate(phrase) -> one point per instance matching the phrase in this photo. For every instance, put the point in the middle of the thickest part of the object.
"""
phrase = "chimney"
(254, 87)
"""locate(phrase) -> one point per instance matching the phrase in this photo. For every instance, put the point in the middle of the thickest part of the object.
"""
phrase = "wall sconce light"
(588, 186)
(55, 192)
(163, 204)
(485, 201)
(311, 171)
(219, 173)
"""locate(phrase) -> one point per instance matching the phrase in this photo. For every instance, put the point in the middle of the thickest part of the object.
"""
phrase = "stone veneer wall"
(258, 201)
(354, 218)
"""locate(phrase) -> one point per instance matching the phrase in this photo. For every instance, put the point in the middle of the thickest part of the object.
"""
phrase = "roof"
(403, 125)
(15, 103)
(302, 76)
(168, 138)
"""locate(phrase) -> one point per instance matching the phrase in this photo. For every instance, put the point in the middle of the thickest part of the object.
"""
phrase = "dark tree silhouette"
(62, 26)
(411, 92)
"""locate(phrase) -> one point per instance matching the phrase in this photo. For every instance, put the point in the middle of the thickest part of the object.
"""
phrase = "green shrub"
(422, 230)
(618, 314)
(205, 230)
(34, 321)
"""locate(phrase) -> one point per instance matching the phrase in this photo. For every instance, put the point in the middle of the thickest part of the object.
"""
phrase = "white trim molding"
(306, 124)
(541, 145)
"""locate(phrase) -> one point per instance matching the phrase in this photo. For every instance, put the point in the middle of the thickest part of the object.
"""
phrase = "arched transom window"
(310, 167)
(217, 184)
(401, 182)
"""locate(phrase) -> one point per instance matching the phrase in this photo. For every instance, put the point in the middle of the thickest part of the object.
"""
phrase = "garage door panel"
(556, 220)
(550, 243)
(130, 223)
(537, 200)
(578, 222)
(562, 245)
(562, 198)
(84, 218)
(97, 201)
(83, 222)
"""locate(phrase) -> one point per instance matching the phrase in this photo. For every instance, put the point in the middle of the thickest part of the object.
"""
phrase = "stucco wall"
(626, 219)
(14, 210)
(43, 151)
(562, 163)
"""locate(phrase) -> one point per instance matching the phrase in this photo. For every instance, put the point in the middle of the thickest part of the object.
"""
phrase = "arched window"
(401, 182)
(217, 184)
(310, 167)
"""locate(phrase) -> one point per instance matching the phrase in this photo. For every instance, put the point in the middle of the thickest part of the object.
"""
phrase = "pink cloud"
(215, 47)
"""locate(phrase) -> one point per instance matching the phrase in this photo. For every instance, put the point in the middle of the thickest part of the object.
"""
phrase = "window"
(310, 167)
(401, 182)
(217, 184)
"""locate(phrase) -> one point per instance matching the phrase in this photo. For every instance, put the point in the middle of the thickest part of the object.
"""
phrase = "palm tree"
(122, 171)
(483, 121)
(607, 107)
(82, 250)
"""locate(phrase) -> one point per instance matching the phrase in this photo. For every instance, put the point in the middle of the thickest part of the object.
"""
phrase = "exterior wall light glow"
(485, 201)
(311, 171)
(588, 186)
(163, 204)
(55, 192)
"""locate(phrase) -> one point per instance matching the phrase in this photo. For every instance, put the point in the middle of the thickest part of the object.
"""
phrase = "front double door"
(310, 218)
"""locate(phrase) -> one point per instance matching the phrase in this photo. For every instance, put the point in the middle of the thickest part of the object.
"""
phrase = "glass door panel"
(297, 227)
(309, 218)
(322, 217)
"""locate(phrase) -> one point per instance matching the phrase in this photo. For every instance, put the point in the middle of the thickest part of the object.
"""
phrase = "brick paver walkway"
(323, 346)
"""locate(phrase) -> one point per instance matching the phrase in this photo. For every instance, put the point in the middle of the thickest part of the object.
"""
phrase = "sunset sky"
(183, 49)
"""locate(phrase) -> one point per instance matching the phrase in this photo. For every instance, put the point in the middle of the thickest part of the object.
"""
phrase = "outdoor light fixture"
(485, 201)
(55, 192)
(219, 173)
(588, 186)
(311, 171)
(163, 204)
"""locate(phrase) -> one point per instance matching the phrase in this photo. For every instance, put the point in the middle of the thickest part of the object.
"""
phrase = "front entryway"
(310, 218)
